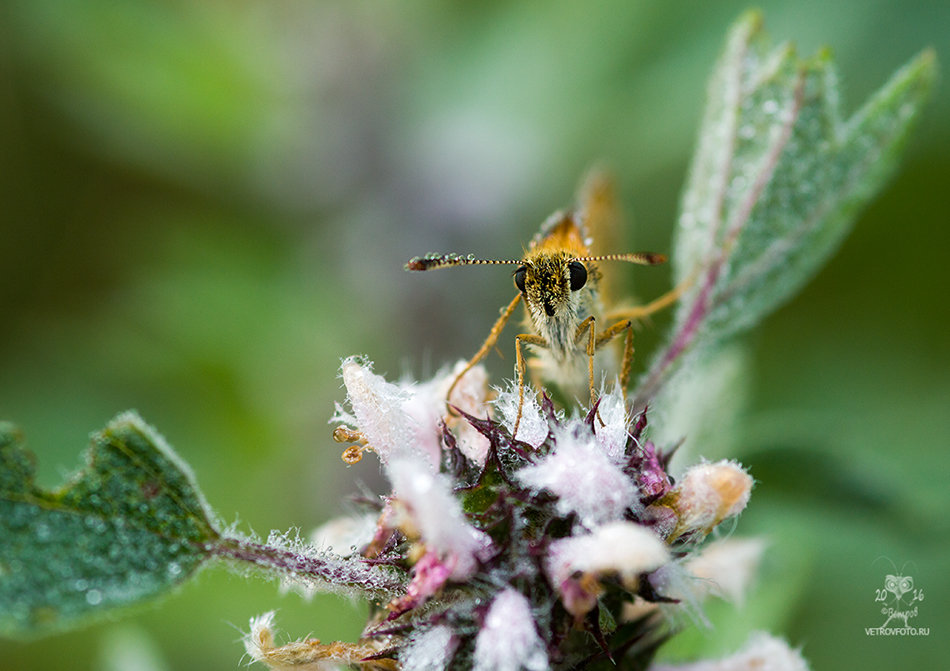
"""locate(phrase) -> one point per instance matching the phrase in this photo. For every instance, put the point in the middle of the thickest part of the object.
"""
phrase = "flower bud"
(708, 494)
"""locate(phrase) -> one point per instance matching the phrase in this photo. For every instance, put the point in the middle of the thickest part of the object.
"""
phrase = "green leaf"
(128, 526)
(776, 182)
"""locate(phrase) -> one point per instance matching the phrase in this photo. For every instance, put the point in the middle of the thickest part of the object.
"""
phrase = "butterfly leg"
(626, 364)
(486, 347)
(641, 311)
(587, 329)
(529, 339)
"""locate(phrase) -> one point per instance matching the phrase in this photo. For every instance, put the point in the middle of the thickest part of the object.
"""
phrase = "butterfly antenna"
(643, 258)
(433, 261)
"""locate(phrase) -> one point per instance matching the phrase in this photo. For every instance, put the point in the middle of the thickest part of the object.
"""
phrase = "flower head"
(514, 549)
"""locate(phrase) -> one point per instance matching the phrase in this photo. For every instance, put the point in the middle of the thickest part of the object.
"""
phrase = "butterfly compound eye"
(519, 278)
(578, 274)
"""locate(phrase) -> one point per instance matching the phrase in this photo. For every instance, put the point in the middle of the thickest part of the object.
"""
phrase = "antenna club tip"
(656, 258)
(433, 260)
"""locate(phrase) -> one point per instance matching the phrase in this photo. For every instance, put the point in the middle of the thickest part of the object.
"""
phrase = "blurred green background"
(206, 205)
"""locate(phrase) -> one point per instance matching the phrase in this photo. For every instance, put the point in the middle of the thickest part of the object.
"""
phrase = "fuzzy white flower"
(762, 652)
(438, 515)
(380, 412)
(404, 418)
(612, 434)
(624, 548)
(727, 567)
(431, 650)
(533, 428)
(583, 477)
(509, 640)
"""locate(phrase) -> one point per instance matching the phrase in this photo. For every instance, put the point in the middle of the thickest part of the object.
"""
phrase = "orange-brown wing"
(600, 210)
(561, 232)
(601, 213)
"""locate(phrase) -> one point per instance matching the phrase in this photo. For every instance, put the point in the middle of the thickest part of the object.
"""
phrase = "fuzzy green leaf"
(776, 182)
(128, 526)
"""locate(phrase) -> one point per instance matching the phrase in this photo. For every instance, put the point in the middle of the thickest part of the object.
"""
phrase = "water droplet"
(93, 597)
(95, 524)
(42, 532)
(174, 569)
